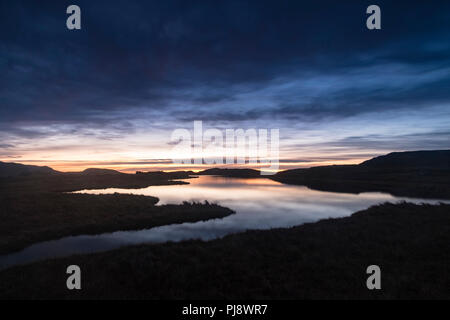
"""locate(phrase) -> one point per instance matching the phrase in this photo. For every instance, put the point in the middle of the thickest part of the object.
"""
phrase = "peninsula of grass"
(35, 217)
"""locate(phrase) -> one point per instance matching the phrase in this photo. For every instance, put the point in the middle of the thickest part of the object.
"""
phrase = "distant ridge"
(437, 159)
(95, 171)
(434, 159)
(9, 169)
(421, 174)
(236, 173)
(166, 175)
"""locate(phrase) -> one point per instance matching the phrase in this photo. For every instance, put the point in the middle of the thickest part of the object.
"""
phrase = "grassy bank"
(327, 259)
(33, 207)
(88, 179)
(35, 217)
(420, 174)
(424, 183)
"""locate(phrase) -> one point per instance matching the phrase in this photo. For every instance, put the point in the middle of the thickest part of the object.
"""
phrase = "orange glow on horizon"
(132, 166)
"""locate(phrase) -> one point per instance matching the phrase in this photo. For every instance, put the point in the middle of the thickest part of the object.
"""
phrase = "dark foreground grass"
(327, 259)
(34, 217)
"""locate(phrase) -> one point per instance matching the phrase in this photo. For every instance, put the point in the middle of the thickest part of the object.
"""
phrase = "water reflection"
(259, 204)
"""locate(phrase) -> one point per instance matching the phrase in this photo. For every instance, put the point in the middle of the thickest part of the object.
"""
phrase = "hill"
(423, 174)
(412, 159)
(9, 169)
(235, 173)
(18, 178)
(95, 171)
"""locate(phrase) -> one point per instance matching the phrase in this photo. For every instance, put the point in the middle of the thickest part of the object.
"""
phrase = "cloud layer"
(139, 69)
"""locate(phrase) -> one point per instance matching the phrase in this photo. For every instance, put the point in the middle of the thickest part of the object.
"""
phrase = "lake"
(259, 203)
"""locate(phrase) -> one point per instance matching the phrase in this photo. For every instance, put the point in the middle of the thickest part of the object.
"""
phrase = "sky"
(111, 94)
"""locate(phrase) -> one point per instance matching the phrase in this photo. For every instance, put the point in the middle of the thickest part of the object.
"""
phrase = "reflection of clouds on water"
(259, 204)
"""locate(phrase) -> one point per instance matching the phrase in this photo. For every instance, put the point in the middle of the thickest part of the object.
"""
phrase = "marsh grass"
(323, 260)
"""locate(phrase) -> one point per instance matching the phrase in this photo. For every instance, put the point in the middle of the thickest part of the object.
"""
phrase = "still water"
(259, 204)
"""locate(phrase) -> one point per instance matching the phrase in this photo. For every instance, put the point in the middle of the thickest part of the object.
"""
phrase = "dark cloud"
(183, 61)
(6, 146)
(402, 142)
(174, 143)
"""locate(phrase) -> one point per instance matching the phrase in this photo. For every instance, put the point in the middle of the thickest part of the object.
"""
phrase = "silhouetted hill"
(25, 182)
(236, 173)
(423, 174)
(95, 171)
(411, 159)
(10, 169)
(166, 175)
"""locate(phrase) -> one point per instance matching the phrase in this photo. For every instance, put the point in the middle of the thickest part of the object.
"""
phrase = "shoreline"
(326, 260)
(50, 216)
